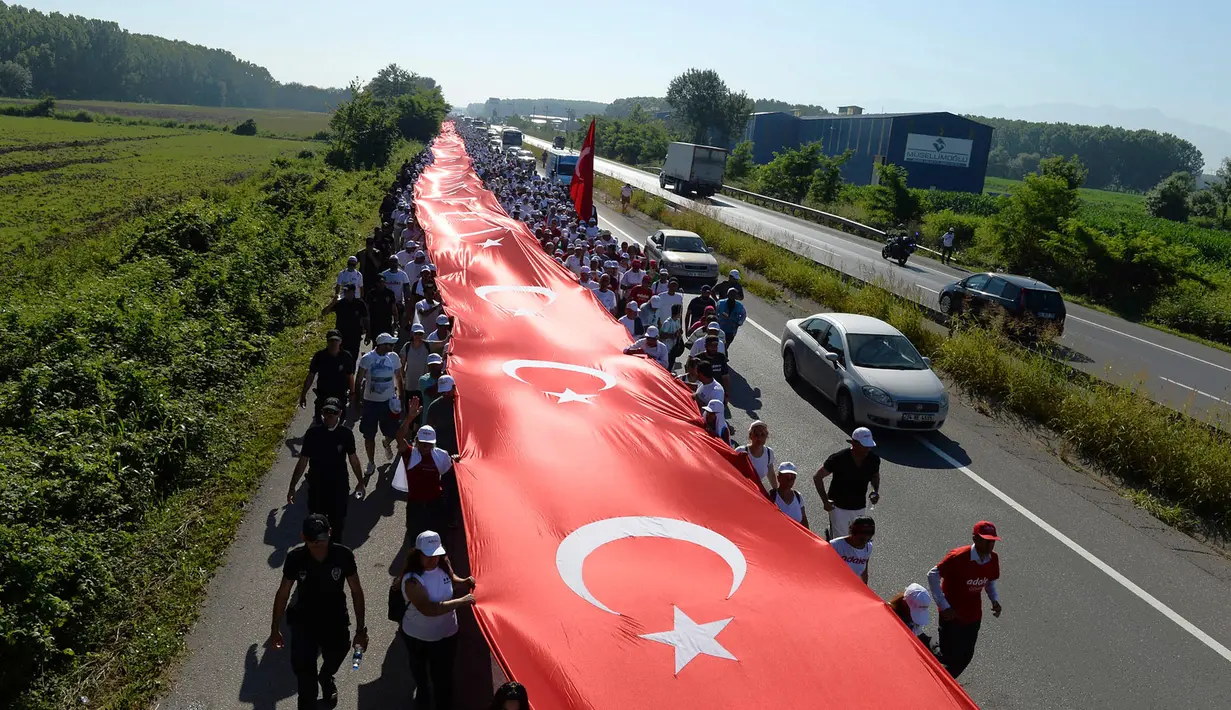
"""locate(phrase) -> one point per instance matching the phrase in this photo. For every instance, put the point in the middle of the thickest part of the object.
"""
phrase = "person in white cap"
(433, 593)
(662, 282)
(421, 468)
(700, 339)
(786, 497)
(912, 605)
(428, 308)
(630, 321)
(427, 384)
(350, 275)
(439, 414)
(407, 255)
(650, 345)
(733, 282)
(575, 260)
(414, 361)
(669, 332)
(606, 297)
(438, 339)
(853, 470)
(648, 315)
(380, 382)
(669, 298)
(716, 420)
(855, 548)
(760, 454)
(585, 281)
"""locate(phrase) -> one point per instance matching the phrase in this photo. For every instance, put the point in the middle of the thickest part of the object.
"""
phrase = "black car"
(1029, 304)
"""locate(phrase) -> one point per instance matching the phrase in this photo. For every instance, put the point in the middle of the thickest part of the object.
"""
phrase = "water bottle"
(356, 657)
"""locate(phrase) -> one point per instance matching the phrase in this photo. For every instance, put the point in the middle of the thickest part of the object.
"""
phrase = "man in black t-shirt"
(350, 318)
(318, 619)
(334, 371)
(382, 308)
(328, 447)
(853, 470)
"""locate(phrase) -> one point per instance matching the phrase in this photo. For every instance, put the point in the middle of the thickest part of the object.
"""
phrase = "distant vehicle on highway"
(1032, 307)
(510, 137)
(693, 169)
(560, 164)
(683, 254)
(871, 372)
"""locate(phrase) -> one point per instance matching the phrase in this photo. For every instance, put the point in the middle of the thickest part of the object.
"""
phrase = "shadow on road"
(283, 526)
(267, 679)
(364, 515)
(395, 686)
(744, 396)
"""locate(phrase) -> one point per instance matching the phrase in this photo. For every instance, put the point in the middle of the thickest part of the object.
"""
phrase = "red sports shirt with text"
(962, 580)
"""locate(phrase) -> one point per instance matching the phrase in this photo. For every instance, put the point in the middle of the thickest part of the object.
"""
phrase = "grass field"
(1131, 201)
(61, 180)
(279, 121)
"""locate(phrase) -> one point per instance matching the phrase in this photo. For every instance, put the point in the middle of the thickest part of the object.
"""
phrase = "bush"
(958, 202)
(740, 162)
(247, 128)
(1169, 198)
(965, 226)
(306, 155)
(83, 117)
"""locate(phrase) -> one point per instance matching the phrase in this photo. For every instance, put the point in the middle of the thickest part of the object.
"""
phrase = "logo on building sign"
(938, 150)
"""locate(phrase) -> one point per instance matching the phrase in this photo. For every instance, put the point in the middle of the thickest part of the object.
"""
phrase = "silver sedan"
(871, 372)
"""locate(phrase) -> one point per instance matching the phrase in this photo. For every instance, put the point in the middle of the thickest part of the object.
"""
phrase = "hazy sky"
(958, 54)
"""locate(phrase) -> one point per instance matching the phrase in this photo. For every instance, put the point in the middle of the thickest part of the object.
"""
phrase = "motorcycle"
(898, 249)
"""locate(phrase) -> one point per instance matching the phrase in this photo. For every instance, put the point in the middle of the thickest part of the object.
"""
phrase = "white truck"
(695, 169)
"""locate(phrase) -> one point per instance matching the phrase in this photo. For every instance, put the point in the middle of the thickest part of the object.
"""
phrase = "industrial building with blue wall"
(941, 151)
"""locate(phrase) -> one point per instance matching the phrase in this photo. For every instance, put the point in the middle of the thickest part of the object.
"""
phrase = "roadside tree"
(1169, 198)
(709, 111)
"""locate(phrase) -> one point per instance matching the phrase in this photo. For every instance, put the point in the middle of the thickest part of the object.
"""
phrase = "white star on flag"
(569, 395)
(492, 243)
(525, 312)
(691, 639)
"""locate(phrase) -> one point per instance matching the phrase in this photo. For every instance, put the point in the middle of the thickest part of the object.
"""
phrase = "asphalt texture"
(1175, 371)
(1072, 635)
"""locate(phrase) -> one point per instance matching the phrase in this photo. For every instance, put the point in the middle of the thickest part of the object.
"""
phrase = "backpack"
(397, 603)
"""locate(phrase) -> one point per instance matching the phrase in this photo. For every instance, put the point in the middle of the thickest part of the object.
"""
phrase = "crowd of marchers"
(387, 298)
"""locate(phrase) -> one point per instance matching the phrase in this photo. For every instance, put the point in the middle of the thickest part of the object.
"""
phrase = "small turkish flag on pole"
(582, 187)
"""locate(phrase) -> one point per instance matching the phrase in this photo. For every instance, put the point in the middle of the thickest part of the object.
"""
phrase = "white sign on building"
(938, 150)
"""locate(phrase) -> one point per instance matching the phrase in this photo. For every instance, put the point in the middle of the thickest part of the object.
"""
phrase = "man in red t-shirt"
(957, 583)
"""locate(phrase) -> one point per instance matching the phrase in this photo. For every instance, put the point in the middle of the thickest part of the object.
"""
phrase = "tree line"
(396, 104)
(75, 57)
(1117, 158)
(621, 107)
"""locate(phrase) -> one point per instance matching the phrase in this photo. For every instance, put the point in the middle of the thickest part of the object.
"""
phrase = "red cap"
(986, 530)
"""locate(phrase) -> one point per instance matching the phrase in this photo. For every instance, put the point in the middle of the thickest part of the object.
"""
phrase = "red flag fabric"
(622, 560)
(581, 189)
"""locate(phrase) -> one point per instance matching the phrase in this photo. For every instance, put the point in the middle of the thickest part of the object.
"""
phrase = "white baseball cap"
(918, 600)
(585, 269)
(651, 332)
(714, 327)
(442, 319)
(435, 359)
(417, 328)
(428, 543)
(715, 406)
(426, 435)
(863, 435)
(734, 274)
(445, 383)
(632, 306)
(386, 339)
(788, 467)
(655, 300)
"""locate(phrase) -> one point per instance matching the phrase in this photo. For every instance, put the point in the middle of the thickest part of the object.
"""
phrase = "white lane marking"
(925, 288)
(749, 321)
(1086, 554)
(1193, 389)
(1150, 342)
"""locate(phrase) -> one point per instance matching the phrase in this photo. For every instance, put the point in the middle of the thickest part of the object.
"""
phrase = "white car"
(871, 372)
(683, 254)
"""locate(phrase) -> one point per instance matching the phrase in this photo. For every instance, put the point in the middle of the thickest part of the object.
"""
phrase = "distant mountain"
(1214, 143)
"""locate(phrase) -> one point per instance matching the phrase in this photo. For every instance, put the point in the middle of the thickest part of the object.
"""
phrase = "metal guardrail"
(815, 215)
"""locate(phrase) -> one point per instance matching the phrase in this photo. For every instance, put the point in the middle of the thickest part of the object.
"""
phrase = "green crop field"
(1123, 200)
(61, 180)
(278, 121)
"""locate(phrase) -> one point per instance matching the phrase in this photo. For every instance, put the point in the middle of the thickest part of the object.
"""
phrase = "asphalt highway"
(1181, 373)
(1104, 607)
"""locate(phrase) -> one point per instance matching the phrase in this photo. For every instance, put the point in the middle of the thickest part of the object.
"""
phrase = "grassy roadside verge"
(153, 396)
(1172, 465)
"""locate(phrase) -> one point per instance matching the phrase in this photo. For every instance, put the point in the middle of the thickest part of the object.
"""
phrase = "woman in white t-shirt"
(762, 456)
(856, 549)
(429, 625)
(786, 497)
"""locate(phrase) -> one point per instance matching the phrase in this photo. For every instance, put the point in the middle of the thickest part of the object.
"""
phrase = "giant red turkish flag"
(622, 559)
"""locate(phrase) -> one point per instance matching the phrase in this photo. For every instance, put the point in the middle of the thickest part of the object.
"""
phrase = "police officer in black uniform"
(333, 369)
(318, 619)
(351, 318)
(328, 447)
